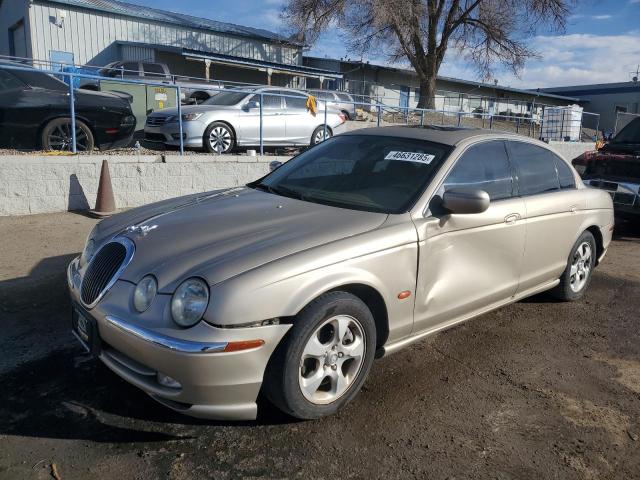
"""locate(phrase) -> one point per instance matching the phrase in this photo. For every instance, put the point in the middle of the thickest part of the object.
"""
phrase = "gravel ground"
(537, 389)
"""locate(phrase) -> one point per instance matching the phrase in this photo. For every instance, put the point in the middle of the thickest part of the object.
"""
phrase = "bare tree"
(486, 32)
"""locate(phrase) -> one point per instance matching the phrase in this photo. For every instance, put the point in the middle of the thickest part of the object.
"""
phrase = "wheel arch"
(374, 301)
(597, 234)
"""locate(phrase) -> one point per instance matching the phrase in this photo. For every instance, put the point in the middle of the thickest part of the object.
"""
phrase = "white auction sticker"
(410, 157)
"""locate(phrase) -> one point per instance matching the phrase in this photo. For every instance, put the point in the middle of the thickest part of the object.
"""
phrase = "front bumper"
(213, 384)
(169, 133)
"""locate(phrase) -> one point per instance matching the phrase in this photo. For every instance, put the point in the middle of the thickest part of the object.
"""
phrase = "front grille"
(157, 120)
(154, 137)
(104, 269)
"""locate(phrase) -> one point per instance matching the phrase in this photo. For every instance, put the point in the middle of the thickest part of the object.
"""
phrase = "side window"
(565, 175)
(536, 168)
(298, 103)
(485, 167)
(9, 82)
(153, 69)
(130, 68)
(272, 101)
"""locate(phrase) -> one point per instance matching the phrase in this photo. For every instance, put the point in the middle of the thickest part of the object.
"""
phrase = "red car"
(616, 168)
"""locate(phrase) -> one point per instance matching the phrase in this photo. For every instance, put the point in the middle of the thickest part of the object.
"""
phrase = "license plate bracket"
(85, 330)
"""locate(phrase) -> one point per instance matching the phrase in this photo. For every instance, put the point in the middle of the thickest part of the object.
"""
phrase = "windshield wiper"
(280, 190)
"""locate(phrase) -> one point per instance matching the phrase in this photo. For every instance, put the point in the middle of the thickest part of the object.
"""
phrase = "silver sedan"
(293, 284)
(231, 119)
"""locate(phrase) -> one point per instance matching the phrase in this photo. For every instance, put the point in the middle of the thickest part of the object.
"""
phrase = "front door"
(467, 263)
(273, 120)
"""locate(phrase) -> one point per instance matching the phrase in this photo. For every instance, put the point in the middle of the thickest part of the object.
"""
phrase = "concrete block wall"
(44, 184)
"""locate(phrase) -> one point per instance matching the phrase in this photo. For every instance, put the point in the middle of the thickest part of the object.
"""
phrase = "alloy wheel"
(220, 139)
(580, 267)
(332, 359)
(321, 135)
(61, 139)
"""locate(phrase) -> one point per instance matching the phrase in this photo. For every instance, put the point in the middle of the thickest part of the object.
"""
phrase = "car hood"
(610, 164)
(221, 234)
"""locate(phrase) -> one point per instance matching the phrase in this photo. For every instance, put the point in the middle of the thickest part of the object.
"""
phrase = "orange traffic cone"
(105, 202)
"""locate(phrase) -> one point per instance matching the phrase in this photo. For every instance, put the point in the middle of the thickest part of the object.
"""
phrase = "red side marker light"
(405, 294)
(243, 345)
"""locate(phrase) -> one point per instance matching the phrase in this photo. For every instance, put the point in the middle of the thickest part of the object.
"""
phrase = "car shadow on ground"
(70, 395)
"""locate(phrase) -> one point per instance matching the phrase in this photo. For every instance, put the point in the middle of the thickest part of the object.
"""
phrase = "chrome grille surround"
(104, 269)
(157, 120)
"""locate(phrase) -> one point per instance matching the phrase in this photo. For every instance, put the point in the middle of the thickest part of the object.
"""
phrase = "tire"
(346, 114)
(56, 135)
(318, 135)
(307, 378)
(219, 138)
(577, 276)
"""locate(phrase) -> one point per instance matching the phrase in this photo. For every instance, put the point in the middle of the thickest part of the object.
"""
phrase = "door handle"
(512, 218)
(573, 208)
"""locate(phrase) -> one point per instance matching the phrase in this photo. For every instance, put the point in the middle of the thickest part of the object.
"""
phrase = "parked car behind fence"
(232, 118)
(35, 113)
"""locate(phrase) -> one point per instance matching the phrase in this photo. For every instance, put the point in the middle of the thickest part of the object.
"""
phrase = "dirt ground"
(534, 390)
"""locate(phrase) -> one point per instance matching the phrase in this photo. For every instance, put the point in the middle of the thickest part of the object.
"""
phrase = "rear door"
(300, 122)
(554, 211)
(469, 262)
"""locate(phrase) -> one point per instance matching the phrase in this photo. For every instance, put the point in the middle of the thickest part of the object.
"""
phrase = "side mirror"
(460, 200)
(274, 165)
(252, 104)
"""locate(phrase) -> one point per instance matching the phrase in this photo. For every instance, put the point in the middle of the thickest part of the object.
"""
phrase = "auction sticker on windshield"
(410, 157)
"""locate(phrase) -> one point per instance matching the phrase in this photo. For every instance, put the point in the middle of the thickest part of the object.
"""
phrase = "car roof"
(433, 133)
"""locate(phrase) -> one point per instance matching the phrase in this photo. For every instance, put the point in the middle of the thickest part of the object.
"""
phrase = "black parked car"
(34, 114)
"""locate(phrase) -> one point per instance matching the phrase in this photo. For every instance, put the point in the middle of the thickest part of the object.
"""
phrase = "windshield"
(37, 79)
(629, 134)
(362, 172)
(226, 98)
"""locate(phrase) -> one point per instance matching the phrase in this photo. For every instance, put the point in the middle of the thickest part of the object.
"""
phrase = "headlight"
(187, 117)
(189, 302)
(144, 293)
(128, 121)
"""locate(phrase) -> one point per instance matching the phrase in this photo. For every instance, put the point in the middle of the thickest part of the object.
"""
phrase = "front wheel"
(576, 277)
(325, 358)
(219, 138)
(56, 135)
(320, 134)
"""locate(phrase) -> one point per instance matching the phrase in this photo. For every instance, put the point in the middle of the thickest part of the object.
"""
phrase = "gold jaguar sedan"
(356, 248)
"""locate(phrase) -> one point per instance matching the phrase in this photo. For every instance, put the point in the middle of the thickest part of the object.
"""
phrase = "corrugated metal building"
(96, 32)
(613, 101)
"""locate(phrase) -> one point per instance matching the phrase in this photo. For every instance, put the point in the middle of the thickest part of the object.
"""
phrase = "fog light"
(167, 381)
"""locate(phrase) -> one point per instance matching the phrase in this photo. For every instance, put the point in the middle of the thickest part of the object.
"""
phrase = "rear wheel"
(56, 135)
(576, 277)
(320, 134)
(325, 358)
(219, 138)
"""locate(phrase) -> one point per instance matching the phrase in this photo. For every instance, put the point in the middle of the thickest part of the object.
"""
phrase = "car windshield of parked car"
(361, 172)
(40, 80)
(226, 98)
(630, 134)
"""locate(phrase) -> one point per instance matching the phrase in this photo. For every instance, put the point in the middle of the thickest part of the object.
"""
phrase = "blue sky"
(601, 42)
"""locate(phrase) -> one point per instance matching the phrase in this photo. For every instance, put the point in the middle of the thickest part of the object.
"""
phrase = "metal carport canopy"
(263, 65)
